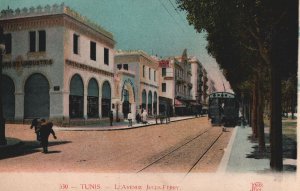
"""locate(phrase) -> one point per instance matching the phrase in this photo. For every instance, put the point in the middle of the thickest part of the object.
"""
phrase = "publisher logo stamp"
(257, 186)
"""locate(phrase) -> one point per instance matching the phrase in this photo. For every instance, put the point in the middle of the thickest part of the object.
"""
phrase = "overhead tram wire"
(171, 15)
(183, 20)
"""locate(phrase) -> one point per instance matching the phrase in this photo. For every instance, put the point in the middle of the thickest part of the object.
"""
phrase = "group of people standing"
(140, 118)
(43, 129)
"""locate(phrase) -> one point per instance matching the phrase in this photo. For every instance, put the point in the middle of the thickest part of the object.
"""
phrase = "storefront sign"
(164, 63)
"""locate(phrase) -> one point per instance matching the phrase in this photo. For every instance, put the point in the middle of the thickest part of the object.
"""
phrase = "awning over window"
(179, 103)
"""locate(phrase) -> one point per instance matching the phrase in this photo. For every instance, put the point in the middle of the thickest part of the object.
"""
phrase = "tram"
(223, 109)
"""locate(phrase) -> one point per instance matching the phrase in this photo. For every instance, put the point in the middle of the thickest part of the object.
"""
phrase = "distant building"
(57, 65)
(211, 86)
(196, 79)
(138, 82)
(167, 86)
(182, 84)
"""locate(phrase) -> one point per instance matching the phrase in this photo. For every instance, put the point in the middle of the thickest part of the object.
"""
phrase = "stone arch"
(128, 85)
(128, 97)
(144, 99)
(155, 98)
(106, 99)
(36, 98)
(26, 76)
(76, 97)
(150, 103)
(93, 99)
(8, 97)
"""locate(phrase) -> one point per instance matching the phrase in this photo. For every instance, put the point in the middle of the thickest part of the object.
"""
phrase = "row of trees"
(255, 44)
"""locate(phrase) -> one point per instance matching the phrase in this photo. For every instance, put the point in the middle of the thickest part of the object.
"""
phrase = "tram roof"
(222, 95)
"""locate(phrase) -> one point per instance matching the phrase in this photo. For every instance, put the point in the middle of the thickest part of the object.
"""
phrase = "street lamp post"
(2, 120)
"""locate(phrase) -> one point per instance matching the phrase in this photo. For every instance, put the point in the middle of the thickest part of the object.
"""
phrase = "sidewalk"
(240, 155)
(236, 157)
(117, 125)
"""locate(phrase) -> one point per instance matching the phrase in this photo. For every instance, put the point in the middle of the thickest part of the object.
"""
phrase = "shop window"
(106, 56)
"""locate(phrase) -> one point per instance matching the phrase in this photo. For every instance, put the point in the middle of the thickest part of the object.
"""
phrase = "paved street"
(184, 146)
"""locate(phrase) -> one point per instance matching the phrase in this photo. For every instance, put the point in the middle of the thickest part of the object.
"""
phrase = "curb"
(109, 128)
(227, 152)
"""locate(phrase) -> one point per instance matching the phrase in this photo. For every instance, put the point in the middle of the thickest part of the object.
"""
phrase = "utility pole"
(2, 120)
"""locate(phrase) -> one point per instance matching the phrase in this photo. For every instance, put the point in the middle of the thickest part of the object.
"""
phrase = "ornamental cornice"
(49, 16)
(126, 73)
(147, 84)
(85, 67)
(27, 63)
(72, 24)
(55, 21)
(51, 10)
(142, 54)
(149, 63)
(32, 23)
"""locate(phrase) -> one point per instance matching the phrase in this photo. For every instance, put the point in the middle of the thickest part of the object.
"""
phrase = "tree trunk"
(3, 140)
(276, 162)
(260, 114)
(254, 110)
(293, 106)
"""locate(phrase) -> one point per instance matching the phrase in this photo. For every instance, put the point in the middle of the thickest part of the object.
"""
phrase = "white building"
(196, 79)
(167, 86)
(176, 85)
(138, 82)
(58, 65)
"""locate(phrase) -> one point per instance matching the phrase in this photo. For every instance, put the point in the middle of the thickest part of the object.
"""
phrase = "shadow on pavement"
(289, 151)
(53, 152)
(26, 148)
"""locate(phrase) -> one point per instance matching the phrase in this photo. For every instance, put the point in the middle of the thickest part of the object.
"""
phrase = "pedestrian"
(45, 131)
(194, 108)
(129, 117)
(199, 110)
(36, 124)
(138, 117)
(144, 116)
(168, 119)
(111, 118)
(221, 114)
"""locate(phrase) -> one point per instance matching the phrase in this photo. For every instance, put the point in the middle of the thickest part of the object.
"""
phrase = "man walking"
(36, 124)
(129, 117)
(111, 118)
(45, 131)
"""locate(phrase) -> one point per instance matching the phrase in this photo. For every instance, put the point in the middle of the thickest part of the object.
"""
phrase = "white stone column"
(157, 108)
(100, 106)
(85, 104)
(56, 104)
(65, 106)
(133, 110)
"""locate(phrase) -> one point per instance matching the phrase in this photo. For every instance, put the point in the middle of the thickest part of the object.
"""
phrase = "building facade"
(142, 71)
(211, 86)
(57, 65)
(196, 79)
(167, 86)
(181, 84)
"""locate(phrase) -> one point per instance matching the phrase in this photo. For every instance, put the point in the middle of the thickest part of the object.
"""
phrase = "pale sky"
(153, 26)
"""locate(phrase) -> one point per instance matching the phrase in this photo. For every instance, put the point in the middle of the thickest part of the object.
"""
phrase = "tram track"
(204, 153)
(180, 149)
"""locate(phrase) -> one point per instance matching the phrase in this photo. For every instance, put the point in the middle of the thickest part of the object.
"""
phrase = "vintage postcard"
(148, 95)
